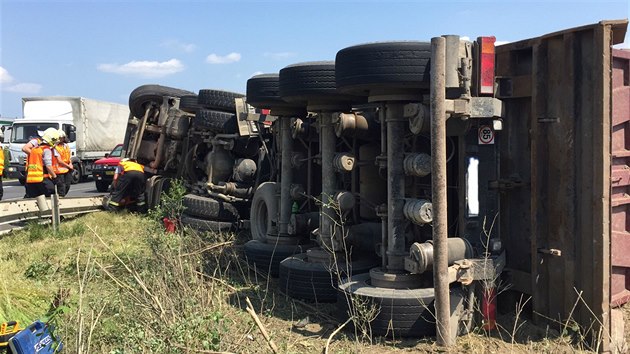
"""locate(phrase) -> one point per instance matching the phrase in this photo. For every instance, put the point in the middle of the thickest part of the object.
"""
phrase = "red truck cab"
(104, 169)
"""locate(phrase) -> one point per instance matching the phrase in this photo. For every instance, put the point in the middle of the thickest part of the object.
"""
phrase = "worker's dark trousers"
(1, 189)
(130, 185)
(68, 180)
(34, 190)
(63, 185)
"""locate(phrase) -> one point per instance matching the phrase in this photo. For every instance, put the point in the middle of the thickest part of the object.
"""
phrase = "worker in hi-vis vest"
(64, 164)
(129, 185)
(40, 168)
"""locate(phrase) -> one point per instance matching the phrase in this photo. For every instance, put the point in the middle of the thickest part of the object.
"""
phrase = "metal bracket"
(551, 251)
(506, 183)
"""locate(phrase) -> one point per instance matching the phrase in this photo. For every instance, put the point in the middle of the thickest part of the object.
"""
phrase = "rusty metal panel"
(556, 91)
(620, 179)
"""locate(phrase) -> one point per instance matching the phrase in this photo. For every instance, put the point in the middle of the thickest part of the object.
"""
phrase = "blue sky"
(105, 49)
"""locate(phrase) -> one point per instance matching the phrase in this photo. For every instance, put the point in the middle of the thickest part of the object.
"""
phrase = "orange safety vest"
(35, 166)
(129, 166)
(1, 161)
(64, 155)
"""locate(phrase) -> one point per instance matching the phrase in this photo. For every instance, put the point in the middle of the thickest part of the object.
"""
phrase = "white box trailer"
(95, 128)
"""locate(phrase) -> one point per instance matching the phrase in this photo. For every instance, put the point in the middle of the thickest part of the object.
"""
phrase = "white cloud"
(279, 55)
(464, 38)
(501, 42)
(21, 87)
(179, 45)
(257, 73)
(226, 59)
(5, 78)
(25, 87)
(148, 69)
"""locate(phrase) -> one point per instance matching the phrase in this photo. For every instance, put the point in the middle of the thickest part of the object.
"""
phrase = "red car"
(103, 171)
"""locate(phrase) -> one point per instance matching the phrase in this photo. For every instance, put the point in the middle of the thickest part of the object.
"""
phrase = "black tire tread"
(218, 100)
(396, 317)
(215, 121)
(206, 225)
(209, 208)
(383, 65)
(266, 257)
(144, 94)
(189, 104)
(310, 81)
(312, 281)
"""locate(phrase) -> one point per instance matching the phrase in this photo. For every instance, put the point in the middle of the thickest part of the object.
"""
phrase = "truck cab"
(23, 130)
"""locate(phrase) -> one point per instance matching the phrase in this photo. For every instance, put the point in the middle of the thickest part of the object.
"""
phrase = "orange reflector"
(486, 65)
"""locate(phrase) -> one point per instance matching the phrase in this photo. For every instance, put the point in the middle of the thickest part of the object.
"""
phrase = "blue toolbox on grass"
(35, 339)
(7, 331)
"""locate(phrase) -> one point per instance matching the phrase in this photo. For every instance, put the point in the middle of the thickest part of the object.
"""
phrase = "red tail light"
(486, 65)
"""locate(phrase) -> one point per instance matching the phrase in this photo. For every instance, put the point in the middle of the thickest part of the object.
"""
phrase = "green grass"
(125, 286)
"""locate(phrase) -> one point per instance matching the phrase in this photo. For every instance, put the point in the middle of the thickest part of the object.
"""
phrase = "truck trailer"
(93, 127)
(435, 181)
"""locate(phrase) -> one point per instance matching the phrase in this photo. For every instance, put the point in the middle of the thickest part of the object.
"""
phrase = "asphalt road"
(13, 190)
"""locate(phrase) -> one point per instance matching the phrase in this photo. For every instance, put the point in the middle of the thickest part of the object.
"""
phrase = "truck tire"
(384, 65)
(263, 210)
(219, 100)
(401, 312)
(151, 93)
(263, 92)
(266, 257)
(316, 281)
(77, 176)
(206, 225)
(215, 121)
(189, 104)
(102, 186)
(310, 81)
(209, 208)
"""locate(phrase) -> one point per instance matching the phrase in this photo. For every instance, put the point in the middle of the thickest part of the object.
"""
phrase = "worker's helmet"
(62, 134)
(50, 136)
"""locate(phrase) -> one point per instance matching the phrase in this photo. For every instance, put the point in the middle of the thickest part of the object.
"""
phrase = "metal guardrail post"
(439, 193)
(56, 218)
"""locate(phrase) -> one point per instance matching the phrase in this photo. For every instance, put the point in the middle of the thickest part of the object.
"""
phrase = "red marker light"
(486, 65)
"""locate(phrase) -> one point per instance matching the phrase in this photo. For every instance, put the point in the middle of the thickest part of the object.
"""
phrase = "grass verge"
(126, 286)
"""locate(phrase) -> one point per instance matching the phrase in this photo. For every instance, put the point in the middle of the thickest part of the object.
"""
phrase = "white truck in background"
(93, 128)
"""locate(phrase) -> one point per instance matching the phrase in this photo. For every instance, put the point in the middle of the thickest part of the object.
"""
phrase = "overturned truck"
(416, 177)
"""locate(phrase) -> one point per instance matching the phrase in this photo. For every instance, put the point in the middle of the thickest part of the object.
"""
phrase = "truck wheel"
(386, 65)
(219, 100)
(209, 208)
(399, 312)
(77, 176)
(264, 209)
(263, 92)
(189, 104)
(102, 186)
(309, 81)
(316, 281)
(144, 94)
(266, 257)
(206, 225)
(215, 121)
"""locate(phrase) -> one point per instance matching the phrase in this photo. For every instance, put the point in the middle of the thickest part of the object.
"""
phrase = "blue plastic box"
(35, 339)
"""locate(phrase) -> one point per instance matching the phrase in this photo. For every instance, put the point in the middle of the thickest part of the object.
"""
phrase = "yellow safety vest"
(64, 155)
(129, 166)
(35, 166)
(1, 161)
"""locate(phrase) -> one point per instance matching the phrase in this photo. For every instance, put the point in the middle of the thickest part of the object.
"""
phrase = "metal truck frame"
(420, 177)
